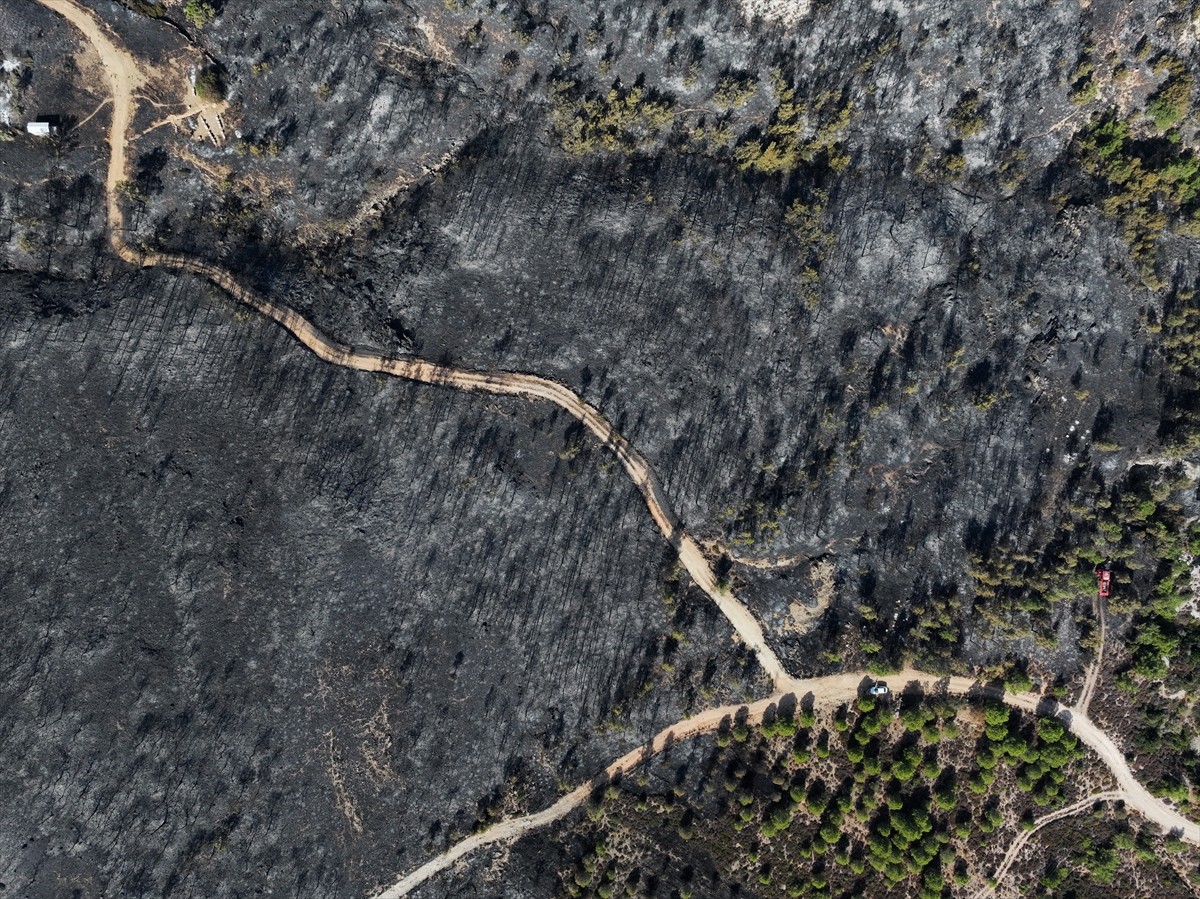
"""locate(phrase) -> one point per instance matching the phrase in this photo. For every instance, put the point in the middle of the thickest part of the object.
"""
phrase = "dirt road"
(827, 692)
(513, 384)
(125, 77)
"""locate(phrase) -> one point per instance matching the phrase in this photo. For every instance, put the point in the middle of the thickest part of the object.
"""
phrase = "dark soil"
(277, 627)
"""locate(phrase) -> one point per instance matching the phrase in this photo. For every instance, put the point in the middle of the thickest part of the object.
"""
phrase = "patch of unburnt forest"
(1102, 853)
(1140, 522)
(917, 798)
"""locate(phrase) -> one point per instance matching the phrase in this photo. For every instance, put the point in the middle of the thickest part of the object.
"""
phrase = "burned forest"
(520, 448)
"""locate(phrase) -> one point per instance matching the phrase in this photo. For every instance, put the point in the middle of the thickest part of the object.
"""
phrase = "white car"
(878, 689)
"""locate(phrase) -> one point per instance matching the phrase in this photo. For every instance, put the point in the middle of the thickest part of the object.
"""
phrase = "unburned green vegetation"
(1172, 101)
(734, 90)
(1139, 528)
(917, 796)
(199, 12)
(623, 119)
(797, 134)
(210, 85)
(967, 117)
(1148, 175)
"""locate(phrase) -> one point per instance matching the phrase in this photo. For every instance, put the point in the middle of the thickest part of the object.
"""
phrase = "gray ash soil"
(277, 627)
(271, 617)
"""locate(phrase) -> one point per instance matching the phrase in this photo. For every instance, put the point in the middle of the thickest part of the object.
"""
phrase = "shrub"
(734, 91)
(621, 120)
(210, 86)
(965, 118)
(199, 12)
(1170, 102)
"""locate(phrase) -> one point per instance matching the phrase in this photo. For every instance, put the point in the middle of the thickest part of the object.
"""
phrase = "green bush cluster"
(1135, 527)
(1099, 859)
(787, 143)
(809, 225)
(735, 89)
(1172, 101)
(966, 117)
(597, 871)
(811, 807)
(936, 636)
(1157, 631)
(1017, 591)
(210, 85)
(1040, 757)
(1084, 86)
(622, 120)
(905, 838)
(199, 12)
(1149, 183)
(130, 191)
(153, 10)
(1180, 340)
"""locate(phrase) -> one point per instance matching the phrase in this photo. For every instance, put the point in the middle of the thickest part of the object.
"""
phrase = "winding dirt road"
(126, 77)
(511, 384)
(827, 692)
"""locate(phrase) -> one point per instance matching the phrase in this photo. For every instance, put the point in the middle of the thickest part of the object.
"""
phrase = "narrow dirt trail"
(1093, 675)
(1024, 836)
(126, 77)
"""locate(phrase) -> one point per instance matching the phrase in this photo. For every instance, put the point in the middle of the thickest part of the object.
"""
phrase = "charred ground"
(904, 296)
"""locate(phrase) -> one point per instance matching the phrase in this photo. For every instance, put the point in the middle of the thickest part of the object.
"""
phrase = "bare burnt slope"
(275, 626)
(878, 296)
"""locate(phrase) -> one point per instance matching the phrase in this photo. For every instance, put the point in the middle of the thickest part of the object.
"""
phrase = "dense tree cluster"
(870, 798)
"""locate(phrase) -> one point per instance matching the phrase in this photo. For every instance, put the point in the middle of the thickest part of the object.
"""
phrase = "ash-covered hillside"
(897, 300)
